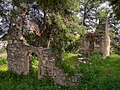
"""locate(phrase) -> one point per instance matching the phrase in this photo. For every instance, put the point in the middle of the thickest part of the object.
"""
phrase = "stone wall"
(19, 59)
(89, 45)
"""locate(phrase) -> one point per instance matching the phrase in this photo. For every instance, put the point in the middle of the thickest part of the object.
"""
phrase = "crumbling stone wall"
(91, 42)
(18, 59)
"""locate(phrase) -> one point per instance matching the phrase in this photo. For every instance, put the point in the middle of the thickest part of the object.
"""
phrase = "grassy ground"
(101, 74)
(98, 74)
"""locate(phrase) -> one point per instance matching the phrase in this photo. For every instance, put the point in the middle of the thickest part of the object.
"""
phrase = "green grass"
(12, 81)
(70, 63)
(98, 74)
(101, 74)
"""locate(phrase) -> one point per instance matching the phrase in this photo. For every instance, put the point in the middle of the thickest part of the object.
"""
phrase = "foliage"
(63, 28)
(101, 74)
(116, 7)
(34, 10)
(70, 63)
(63, 31)
(3, 61)
(34, 66)
(115, 49)
(97, 75)
(3, 57)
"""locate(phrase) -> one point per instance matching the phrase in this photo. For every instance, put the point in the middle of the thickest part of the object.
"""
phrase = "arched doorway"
(32, 64)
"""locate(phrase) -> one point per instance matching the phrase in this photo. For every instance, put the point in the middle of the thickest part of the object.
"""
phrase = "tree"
(116, 7)
(49, 16)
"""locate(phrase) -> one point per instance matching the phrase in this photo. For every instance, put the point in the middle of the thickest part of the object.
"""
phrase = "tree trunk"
(106, 41)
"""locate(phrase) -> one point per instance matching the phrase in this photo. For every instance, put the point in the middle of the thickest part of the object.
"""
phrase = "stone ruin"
(19, 57)
(91, 42)
(94, 41)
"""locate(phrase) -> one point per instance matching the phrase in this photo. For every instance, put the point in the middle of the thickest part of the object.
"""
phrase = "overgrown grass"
(12, 81)
(101, 74)
(70, 63)
(98, 74)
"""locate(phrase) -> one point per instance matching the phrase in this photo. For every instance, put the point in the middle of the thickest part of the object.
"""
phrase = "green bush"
(70, 63)
(3, 61)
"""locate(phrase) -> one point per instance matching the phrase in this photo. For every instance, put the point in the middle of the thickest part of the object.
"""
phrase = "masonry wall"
(18, 59)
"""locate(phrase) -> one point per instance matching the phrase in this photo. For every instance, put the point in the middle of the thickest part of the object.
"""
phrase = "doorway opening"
(33, 64)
